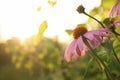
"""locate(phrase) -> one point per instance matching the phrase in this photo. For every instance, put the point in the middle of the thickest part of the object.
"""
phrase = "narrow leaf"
(68, 31)
(39, 9)
(52, 2)
(41, 30)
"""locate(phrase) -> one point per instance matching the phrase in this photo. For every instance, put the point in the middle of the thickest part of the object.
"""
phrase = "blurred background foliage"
(41, 58)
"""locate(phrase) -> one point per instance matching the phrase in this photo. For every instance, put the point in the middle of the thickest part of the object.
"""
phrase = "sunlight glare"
(20, 18)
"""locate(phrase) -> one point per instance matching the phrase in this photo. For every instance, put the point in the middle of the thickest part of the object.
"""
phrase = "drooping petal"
(78, 50)
(115, 9)
(99, 38)
(105, 29)
(118, 8)
(97, 41)
(92, 43)
(95, 37)
(69, 51)
(112, 11)
(82, 47)
(105, 32)
(75, 51)
(83, 52)
(89, 35)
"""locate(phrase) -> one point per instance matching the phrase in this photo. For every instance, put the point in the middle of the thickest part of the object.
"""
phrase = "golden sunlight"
(21, 18)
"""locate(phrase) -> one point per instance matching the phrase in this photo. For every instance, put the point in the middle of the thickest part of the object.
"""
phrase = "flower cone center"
(79, 31)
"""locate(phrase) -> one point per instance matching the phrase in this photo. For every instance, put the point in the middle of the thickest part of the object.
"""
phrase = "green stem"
(98, 59)
(94, 19)
(91, 55)
(117, 37)
(113, 30)
(115, 55)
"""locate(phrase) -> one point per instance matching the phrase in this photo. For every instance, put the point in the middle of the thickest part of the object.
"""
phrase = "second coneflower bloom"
(115, 9)
(78, 48)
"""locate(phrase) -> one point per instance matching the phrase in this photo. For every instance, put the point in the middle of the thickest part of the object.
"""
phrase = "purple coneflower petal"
(90, 35)
(82, 47)
(118, 7)
(69, 51)
(91, 38)
(115, 9)
(99, 38)
(76, 52)
(105, 32)
(95, 37)
(111, 13)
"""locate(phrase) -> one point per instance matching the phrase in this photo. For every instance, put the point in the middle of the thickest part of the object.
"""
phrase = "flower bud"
(80, 9)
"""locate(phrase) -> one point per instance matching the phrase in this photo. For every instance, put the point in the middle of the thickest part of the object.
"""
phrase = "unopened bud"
(80, 9)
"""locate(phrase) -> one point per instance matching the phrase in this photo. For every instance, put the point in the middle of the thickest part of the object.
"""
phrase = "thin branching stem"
(115, 55)
(94, 19)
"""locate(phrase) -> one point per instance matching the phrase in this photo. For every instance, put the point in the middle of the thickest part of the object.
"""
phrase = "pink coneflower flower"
(115, 9)
(78, 48)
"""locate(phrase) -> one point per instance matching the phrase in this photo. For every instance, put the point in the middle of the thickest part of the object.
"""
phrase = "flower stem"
(113, 30)
(115, 55)
(93, 53)
(94, 19)
(117, 37)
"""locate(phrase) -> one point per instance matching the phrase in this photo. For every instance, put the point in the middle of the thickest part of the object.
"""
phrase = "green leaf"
(41, 31)
(84, 25)
(52, 2)
(107, 21)
(68, 31)
(88, 66)
(108, 46)
(39, 9)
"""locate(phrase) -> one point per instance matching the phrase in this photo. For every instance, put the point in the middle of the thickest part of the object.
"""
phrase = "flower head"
(78, 48)
(80, 9)
(115, 9)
